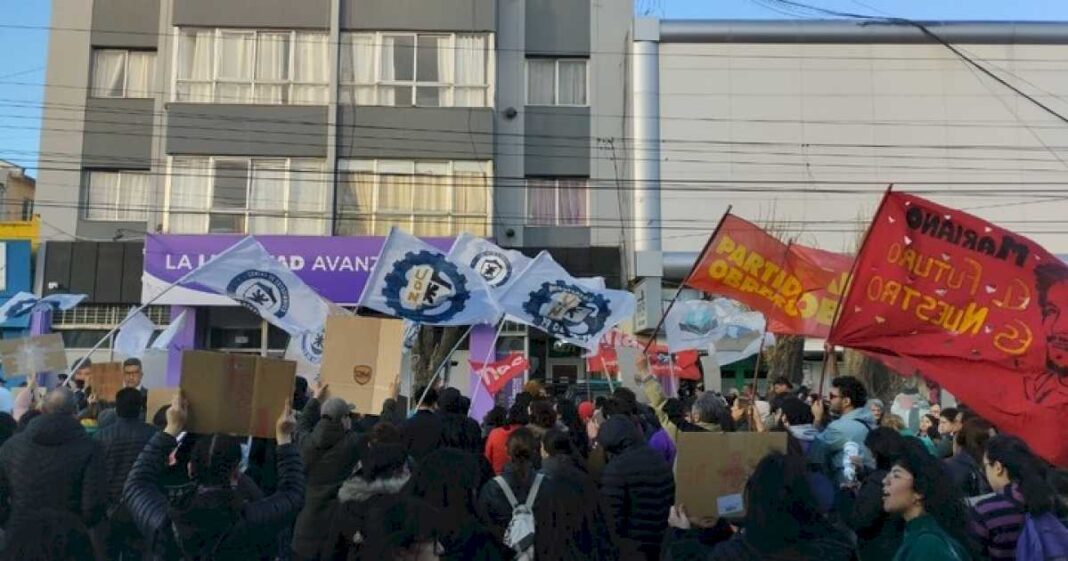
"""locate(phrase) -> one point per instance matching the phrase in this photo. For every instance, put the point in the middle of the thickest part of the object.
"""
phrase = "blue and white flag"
(574, 310)
(163, 342)
(25, 303)
(248, 274)
(498, 267)
(414, 281)
(134, 335)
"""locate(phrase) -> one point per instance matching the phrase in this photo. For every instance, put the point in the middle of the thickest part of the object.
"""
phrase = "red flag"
(606, 360)
(685, 363)
(795, 287)
(974, 307)
(495, 375)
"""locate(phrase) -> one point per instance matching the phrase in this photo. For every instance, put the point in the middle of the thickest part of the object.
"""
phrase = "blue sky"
(24, 43)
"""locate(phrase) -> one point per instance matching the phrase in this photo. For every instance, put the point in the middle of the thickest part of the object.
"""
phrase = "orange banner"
(797, 288)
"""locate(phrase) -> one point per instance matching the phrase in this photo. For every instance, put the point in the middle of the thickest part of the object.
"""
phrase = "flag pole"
(671, 304)
(437, 370)
(760, 355)
(492, 352)
(182, 279)
(847, 291)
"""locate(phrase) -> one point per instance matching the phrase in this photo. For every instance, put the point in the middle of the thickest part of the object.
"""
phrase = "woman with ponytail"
(1021, 487)
(518, 474)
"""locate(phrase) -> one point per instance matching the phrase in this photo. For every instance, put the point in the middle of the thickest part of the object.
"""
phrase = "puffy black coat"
(251, 529)
(53, 464)
(422, 434)
(123, 441)
(828, 543)
(355, 499)
(330, 453)
(637, 486)
(577, 522)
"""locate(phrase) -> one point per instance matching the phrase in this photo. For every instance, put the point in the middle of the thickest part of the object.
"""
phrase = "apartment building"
(187, 120)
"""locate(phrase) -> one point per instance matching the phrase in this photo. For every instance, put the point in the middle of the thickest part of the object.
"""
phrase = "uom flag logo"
(417, 282)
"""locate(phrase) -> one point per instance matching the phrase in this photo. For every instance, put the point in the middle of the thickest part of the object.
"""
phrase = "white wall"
(753, 116)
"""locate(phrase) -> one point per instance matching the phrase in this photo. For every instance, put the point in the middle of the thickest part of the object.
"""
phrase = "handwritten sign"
(235, 394)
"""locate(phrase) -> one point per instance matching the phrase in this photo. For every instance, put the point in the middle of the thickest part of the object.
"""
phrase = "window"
(557, 201)
(247, 196)
(425, 198)
(426, 70)
(116, 196)
(556, 81)
(252, 66)
(119, 73)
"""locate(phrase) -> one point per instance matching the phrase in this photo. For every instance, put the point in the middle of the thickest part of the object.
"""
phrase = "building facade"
(802, 125)
(16, 193)
(328, 118)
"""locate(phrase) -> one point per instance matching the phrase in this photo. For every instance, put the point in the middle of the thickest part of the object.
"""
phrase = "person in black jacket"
(878, 533)
(53, 464)
(519, 475)
(212, 522)
(422, 432)
(330, 452)
(965, 466)
(383, 472)
(123, 441)
(577, 520)
(458, 430)
(447, 480)
(638, 489)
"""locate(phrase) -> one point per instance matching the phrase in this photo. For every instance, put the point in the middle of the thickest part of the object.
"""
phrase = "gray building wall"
(283, 14)
(67, 77)
(558, 27)
(415, 132)
(509, 193)
(118, 133)
(246, 130)
(124, 23)
(419, 15)
(557, 141)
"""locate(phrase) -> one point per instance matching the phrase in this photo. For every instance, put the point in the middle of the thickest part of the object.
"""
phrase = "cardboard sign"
(157, 398)
(712, 467)
(362, 359)
(106, 380)
(235, 394)
(30, 355)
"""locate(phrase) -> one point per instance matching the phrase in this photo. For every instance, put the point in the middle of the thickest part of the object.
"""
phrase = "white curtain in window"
(395, 193)
(386, 72)
(102, 195)
(355, 206)
(133, 192)
(140, 75)
(308, 185)
(109, 69)
(188, 197)
(470, 71)
(470, 190)
(235, 68)
(431, 185)
(267, 198)
(272, 67)
(541, 202)
(572, 206)
(541, 81)
(358, 67)
(572, 82)
(311, 69)
(196, 64)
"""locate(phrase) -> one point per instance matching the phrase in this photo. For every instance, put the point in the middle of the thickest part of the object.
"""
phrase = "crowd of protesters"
(545, 479)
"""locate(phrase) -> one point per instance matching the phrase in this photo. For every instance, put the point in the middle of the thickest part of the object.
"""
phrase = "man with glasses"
(848, 402)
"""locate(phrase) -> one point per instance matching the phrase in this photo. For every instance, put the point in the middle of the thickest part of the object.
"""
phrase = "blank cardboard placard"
(157, 398)
(362, 359)
(711, 469)
(106, 380)
(235, 394)
(31, 355)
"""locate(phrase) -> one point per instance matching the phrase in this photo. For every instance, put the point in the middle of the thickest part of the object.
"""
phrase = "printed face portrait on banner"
(1052, 286)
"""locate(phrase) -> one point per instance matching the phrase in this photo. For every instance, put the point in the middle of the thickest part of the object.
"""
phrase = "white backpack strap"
(507, 491)
(534, 491)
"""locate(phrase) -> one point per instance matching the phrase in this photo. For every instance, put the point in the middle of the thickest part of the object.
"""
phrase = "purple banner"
(335, 267)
